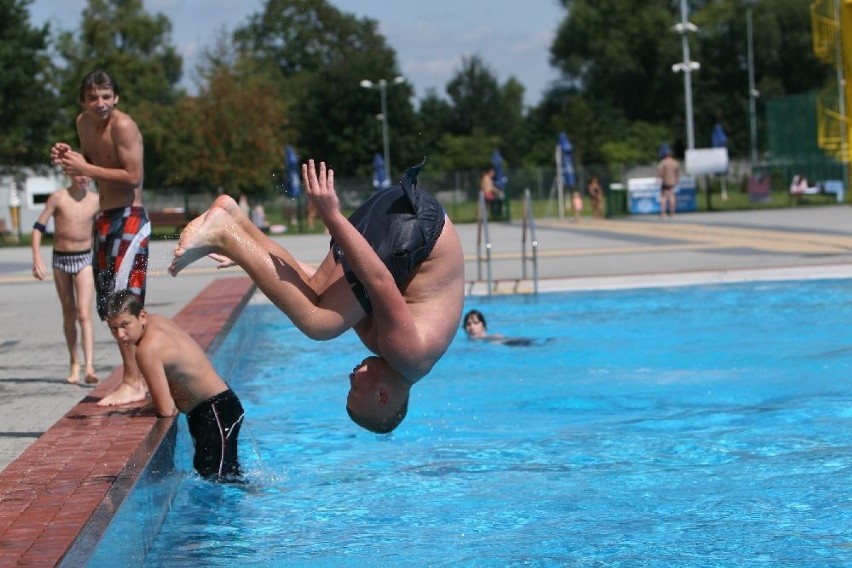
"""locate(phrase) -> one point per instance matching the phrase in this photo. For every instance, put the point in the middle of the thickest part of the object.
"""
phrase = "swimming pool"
(706, 425)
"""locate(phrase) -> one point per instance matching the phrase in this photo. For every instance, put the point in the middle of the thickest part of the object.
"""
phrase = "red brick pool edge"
(49, 494)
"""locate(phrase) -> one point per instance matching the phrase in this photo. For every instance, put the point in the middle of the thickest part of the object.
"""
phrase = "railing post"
(482, 229)
(529, 225)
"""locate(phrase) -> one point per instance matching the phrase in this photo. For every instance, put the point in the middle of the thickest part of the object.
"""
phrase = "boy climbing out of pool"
(112, 154)
(394, 273)
(181, 379)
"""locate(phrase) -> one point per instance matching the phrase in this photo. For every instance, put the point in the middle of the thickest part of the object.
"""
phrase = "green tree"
(481, 111)
(784, 63)
(474, 93)
(27, 105)
(322, 55)
(233, 135)
(618, 55)
(464, 151)
(434, 120)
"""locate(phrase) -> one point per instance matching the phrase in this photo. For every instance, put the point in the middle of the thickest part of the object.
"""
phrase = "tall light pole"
(752, 92)
(382, 86)
(686, 67)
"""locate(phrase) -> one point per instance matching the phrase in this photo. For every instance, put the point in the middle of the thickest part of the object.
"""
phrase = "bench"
(176, 218)
(832, 188)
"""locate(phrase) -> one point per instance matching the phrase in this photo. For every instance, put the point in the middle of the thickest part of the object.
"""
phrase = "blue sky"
(430, 36)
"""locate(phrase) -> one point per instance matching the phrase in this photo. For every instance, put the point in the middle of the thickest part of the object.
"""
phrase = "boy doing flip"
(181, 379)
(394, 274)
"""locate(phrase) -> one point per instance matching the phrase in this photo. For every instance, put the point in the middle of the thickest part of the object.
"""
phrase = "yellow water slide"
(831, 23)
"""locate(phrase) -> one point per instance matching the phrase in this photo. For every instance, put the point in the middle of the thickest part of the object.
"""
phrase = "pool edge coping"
(72, 480)
(662, 279)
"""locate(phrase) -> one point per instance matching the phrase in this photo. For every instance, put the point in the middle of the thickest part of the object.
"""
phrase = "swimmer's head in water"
(474, 324)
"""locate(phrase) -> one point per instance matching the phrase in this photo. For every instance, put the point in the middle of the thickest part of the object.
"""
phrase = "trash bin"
(616, 200)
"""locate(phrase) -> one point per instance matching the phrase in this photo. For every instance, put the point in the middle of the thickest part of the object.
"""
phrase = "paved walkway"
(813, 242)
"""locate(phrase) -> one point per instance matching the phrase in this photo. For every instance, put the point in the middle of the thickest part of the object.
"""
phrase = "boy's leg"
(321, 305)
(126, 233)
(84, 285)
(65, 290)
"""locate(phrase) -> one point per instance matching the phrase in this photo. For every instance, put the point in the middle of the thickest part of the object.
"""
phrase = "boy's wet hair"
(124, 301)
(474, 313)
(97, 79)
(385, 426)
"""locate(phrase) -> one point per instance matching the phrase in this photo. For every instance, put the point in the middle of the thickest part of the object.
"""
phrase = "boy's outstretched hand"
(320, 189)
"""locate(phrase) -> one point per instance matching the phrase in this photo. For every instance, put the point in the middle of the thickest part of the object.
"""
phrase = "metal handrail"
(529, 226)
(482, 228)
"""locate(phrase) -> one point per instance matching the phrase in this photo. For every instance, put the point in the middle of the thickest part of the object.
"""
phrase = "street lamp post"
(382, 85)
(752, 92)
(687, 67)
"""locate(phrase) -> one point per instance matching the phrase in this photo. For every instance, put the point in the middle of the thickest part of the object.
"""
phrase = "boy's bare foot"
(202, 235)
(73, 374)
(124, 394)
(91, 377)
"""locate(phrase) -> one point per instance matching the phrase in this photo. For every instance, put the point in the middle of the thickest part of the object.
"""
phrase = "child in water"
(476, 328)
(180, 378)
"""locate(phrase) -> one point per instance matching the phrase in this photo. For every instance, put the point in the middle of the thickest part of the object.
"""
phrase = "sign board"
(704, 161)
(643, 195)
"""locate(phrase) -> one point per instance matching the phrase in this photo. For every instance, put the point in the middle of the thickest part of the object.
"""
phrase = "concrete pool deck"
(800, 243)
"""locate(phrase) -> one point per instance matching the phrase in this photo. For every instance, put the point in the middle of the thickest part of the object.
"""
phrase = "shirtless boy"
(668, 171)
(181, 379)
(112, 156)
(395, 273)
(73, 210)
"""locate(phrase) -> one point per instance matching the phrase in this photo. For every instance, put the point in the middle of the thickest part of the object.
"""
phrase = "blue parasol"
(567, 160)
(380, 176)
(719, 139)
(500, 178)
(294, 187)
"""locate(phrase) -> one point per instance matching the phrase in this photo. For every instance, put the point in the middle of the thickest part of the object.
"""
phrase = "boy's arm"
(152, 368)
(399, 339)
(39, 270)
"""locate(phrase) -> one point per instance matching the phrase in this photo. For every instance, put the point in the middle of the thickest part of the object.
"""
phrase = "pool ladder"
(528, 240)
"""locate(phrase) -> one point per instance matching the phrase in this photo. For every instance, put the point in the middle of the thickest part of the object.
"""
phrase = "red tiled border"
(51, 491)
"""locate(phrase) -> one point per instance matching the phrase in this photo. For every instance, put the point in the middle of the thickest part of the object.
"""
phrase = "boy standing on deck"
(73, 210)
(181, 379)
(668, 171)
(112, 156)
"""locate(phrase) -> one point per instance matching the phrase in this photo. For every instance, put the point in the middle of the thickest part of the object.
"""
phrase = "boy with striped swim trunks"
(73, 210)
(121, 253)
(112, 155)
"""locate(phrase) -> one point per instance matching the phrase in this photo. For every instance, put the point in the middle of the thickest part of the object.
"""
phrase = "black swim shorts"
(402, 224)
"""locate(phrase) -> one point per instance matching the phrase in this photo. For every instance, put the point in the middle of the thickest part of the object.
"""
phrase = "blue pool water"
(698, 426)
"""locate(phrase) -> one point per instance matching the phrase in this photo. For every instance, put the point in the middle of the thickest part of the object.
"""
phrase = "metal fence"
(458, 191)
